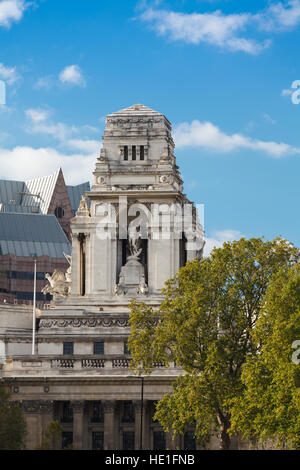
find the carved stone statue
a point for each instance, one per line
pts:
(83, 209)
(57, 284)
(132, 275)
(134, 241)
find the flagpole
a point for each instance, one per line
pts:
(34, 310)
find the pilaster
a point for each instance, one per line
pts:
(78, 424)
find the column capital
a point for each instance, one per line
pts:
(46, 406)
(109, 406)
(78, 406)
(31, 406)
(137, 405)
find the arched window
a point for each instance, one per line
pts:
(59, 212)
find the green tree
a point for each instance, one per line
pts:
(51, 436)
(270, 406)
(204, 324)
(12, 423)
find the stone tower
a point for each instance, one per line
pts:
(140, 227)
(131, 233)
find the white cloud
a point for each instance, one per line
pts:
(72, 75)
(213, 28)
(218, 238)
(11, 11)
(86, 146)
(63, 133)
(26, 162)
(37, 115)
(44, 83)
(207, 135)
(8, 74)
(226, 31)
(279, 15)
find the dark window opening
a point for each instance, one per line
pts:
(126, 350)
(128, 440)
(126, 152)
(59, 212)
(159, 441)
(189, 441)
(81, 238)
(97, 441)
(182, 250)
(67, 413)
(98, 413)
(68, 349)
(67, 440)
(144, 257)
(124, 252)
(99, 347)
(142, 152)
(134, 152)
(128, 415)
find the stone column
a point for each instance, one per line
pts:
(32, 415)
(47, 410)
(78, 424)
(141, 425)
(109, 425)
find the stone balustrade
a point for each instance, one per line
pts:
(79, 365)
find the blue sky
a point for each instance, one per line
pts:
(220, 71)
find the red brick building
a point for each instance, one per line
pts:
(35, 220)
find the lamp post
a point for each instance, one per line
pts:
(34, 310)
(142, 412)
(142, 405)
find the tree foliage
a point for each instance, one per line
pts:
(12, 423)
(51, 436)
(270, 406)
(204, 325)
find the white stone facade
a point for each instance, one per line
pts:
(128, 238)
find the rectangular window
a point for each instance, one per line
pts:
(159, 442)
(128, 415)
(189, 441)
(97, 441)
(125, 152)
(68, 349)
(99, 347)
(128, 440)
(98, 412)
(126, 350)
(67, 413)
(134, 152)
(67, 440)
(142, 152)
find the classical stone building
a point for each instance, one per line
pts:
(136, 231)
(35, 217)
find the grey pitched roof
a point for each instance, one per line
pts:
(10, 191)
(40, 191)
(34, 196)
(32, 234)
(75, 194)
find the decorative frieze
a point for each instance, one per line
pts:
(86, 322)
